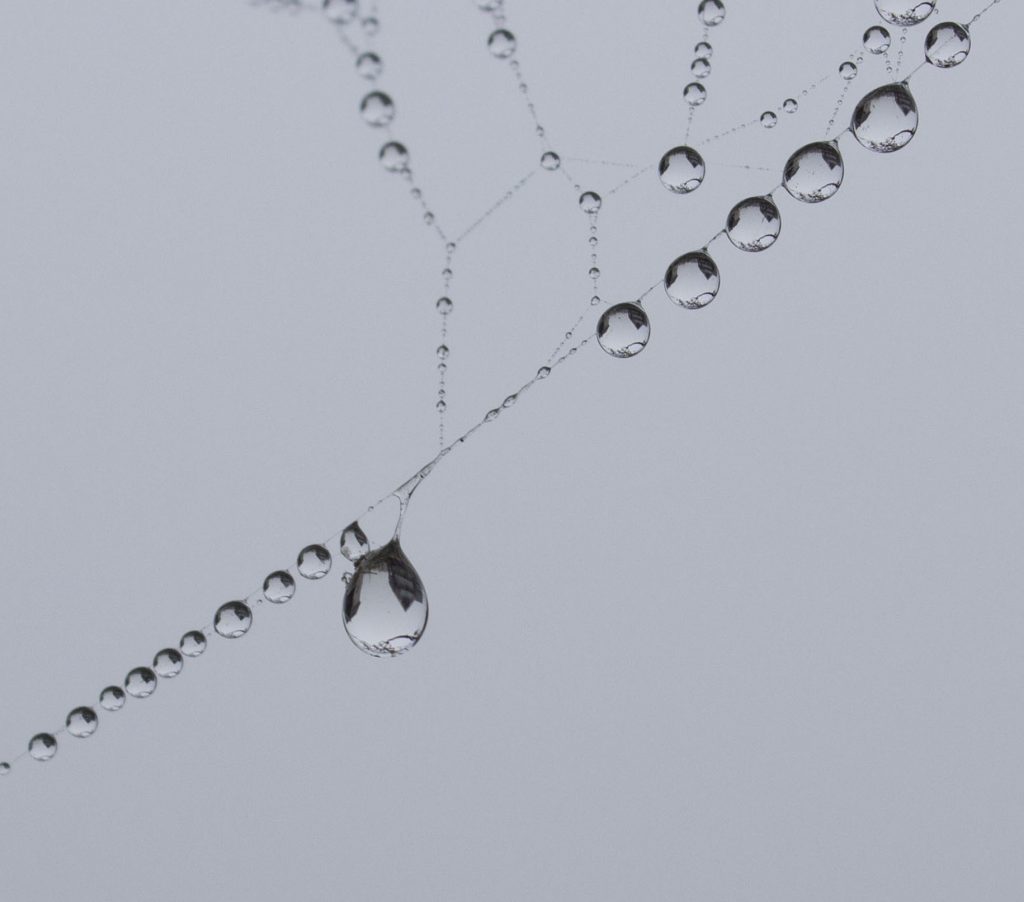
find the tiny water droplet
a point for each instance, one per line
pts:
(692, 280)
(695, 93)
(314, 562)
(511, 399)
(369, 65)
(623, 330)
(354, 542)
(886, 119)
(769, 119)
(711, 12)
(789, 105)
(385, 606)
(703, 49)
(42, 746)
(754, 224)
(377, 109)
(192, 644)
(701, 67)
(904, 12)
(442, 352)
(848, 71)
(441, 405)
(681, 170)
(341, 12)
(112, 698)
(279, 587)
(140, 682)
(82, 722)
(168, 663)
(877, 39)
(544, 372)
(814, 173)
(232, 620)
(594, 272)
(501, 43)
(491, 415)
(947, 45)
(394, 157)
(590, 201)
(444, 305)
(5, 768)
(370, 26)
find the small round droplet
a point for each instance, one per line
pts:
(192, 644)
(885, 119)
(848, 71)
(341, 12)
(544, 372)
(354, 542)
(5, 768)
(814, 172)
(947, 45)
(442, 352)
(140, 682)
(877, 39)
(444, 306)
(371, 26)
(711, 12)
(594, 272)
(168, 663)
(590, 201)
(701, 67)
(491, 415)
(442, 405)
(232, 619)
(703, 49)
(369, 65)
(394, 157)
(550, 160)
(754, 224)
(681, 170)
(695, 93)
(279, 587)
(904, 12)
(769, 119)
(623, 330)
(789, 105)
(501, 43)
(42, 746)
(314, 562)
(692, 280)
(82, 722)
(112, 698)
(377, 109)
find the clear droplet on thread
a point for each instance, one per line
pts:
(5, 768)
(692, 280)
(754, 224)
(623, 330)
(947, 45)
(341, 12)
(814, 172)
(590, 201)
(369, 65)
(681, 170)
(847, 71)
(354, 543)
(140, 682)
(233, 619)
(877, 39)
(701, 67)
(904, 12)
(501, 43)
(789, 105)
(769, 119)
(112, 698)
(42, 746)
(313, 562)
(394, 157)
(82, 722)
(550, 160)
(377, 109)
(695, 93)
(192, 644)
(385, 606)
(279, 587)
(711, 12)
(168, 663)
(885, 119)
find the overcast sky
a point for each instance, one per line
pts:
(738, 619)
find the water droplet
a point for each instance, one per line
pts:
(232, 619)
(428, 218)
(140, 682)
(385, 605)
(82, 722)
(42, 746)
(550, 160)
(885, 119)
(544, 372)
(814, 172)
(441, 405)
(394, 157)
(904, 12)
(790, 105)
(168, 663)
(769, 119)
(703, 49)
(354, 543)
(623, 330)
(192, 644)
(446, 273)
(279, 587)
(590, 201)
(754, 224)
(947, 45)
(595, 300)
(443, 352)
(444, 306)
(701, 67)
(450, 248)
(491, 415)
(511, 399)
(314, 562)
(377, 108)
(877, 39)
(711, 12)
(370, 26)
(341, 12)
(488, 6)
(695, 93)
(681, 170)
(5, 768)
(848, 71)
(501, 43)
(112, 698)
(692, 280)
(594, 272)
(369, 65)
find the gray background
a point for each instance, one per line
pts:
(739, 619)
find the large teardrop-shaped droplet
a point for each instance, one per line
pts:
(885, 119)
(385, 604)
